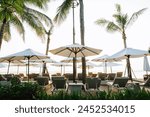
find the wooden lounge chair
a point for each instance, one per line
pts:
(119, 74)
(111, 76)
(146, 83)
(102, 76)
(119, 82)
(59, 83)
(93, 83)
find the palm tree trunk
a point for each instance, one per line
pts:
(47, 48)
(128, 57)
(82, 38)
(2, 31)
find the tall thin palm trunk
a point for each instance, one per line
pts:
(128, 65)
(2, 31)
(47, 48)
(82, 39)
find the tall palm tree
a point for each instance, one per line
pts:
(48, 33)
(14, 12)
(122, 22)
(62, 12)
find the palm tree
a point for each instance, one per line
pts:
(48, 33)
(14, 12)
(62, 12)
(122, 22)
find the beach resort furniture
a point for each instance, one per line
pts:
(146, 76)
(119, 74)
(119, 82)
(59, 83)
(146, 83)
(75, 87)
(69, 76)
(92, 83)
(42, 80)
(102, 76)
(2, 78)
(111, 76)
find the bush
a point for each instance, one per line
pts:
(25, 91)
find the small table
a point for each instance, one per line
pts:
(75, 87)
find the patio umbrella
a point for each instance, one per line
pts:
(10, 61)
(146, 66)
(75, 50)
(89, 65)
(61, 64)
(27, 54)
(70, 60)
(128, 53)
(105, 58)
(109, 64)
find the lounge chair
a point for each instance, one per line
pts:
(146, 83)
(119, 74)
(59, 83)
(93, 83)
(119, 82)
(102, 76)
(111, 76)
(42, 80)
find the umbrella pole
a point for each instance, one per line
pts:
(129, 68)
(8, 67)
(61, 69)
(28, 69)
(74, 68)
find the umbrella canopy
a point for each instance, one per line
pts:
(109, 64)
(70, 60)
(61, 64)
(146, 66)
(75, 50)
(105, 58)
(129, 53)
(89, 65)
(27, 54)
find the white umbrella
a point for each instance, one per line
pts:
(89, 65)
(70, 60)
(105, 58)
(146, 65)
(27, 54)
(109, 64)
(61, 64)
(75, 50)
(129, 53)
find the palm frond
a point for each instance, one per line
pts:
(7, 34)
(102, 22)
(135, 16)
(18, 25)
(118, 8)
(62, 11)
(112, 27)
(38, 3)
(34, 23)
(121, 19)
(41, 16)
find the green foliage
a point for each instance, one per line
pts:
(28, 91)
(25, 91)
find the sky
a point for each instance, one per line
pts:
(138, 35)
